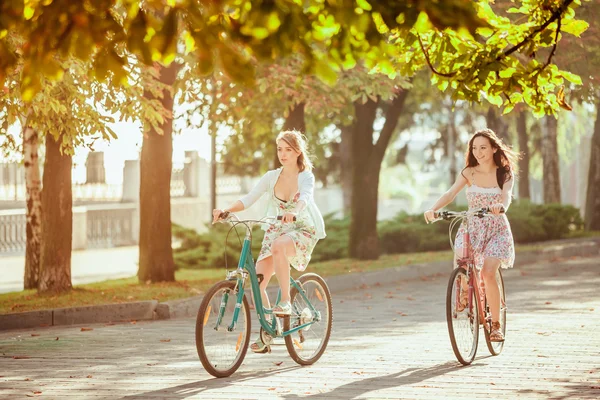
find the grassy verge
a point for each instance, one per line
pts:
(191, 282)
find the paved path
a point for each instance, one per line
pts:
(94, 265)
(389, 341)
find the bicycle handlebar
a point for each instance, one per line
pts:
(447, 215)
(226, 215)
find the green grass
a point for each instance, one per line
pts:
(191, 282)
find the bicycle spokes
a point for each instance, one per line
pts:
(222, 330)
(462, 317)
(310, 321)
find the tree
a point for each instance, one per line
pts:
(73, 112)
(581, 54)
(156, 255)
(550, 160)
(592, 208)
(524, 150)
(34, 206)
(57, 219)
(330, 36)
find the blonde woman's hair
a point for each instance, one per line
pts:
(297, 141)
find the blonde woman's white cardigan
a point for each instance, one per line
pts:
(306, 188)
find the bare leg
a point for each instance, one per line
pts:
(265, 267)
(283, 247)
(492, 292)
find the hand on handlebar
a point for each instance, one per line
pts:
(497, 208)
(219, 214)
(429, 216)
(288, 217)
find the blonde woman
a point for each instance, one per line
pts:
(290, 191)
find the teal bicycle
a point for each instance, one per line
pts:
(223, 321)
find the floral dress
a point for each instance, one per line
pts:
(302, 232)
(490, 236)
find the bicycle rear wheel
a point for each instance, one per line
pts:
(307, 345)
(463, 325)
(222, 348)
(495, 348)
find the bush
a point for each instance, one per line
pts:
(208, 250)
(405, 233)
(335, 245)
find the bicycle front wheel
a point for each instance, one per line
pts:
(463, 319)
(307, 345)
(495, 348)
(221, 345)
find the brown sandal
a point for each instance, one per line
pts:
(496, 334)
(463, 301)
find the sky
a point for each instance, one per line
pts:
(128, 145)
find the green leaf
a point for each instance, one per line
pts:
(507, 73)
(364, 4)
(573, 78)
(325, 72)
(575, 27)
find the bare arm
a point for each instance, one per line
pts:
(450, 195)
(507, 194)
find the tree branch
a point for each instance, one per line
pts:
(391, 121)
(555, 15)
(447, 75)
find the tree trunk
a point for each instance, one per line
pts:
(452, 136)
(366, 162)
(295, 120)
(497, 124)
(524, 161)
(57, 219)
(156, 254)
(346, 167)
(550, 161)
(592, 204)
(33, 187)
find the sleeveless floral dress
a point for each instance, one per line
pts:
(490, 236)
(302, 232)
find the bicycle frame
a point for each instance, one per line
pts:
(246, 267)
(475, 280)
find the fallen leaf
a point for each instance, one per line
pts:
(35, 334)
(278, 363)
(591, 309)
(492, 383)
(72, 376)
(37, 392)
(134, 322)
(272, 388)
(86, 329)
(20, 357)
(165, 340)
(548, 302)
(150, 365)
(377, 284)
(410, 298)
(27, 379)
(89, 376)
(56, 338)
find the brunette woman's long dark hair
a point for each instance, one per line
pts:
(505, 158)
